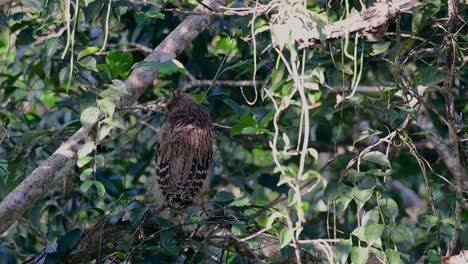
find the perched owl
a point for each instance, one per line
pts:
(184, 152)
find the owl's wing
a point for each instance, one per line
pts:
(184, 155)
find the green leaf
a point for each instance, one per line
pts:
(400, 233)
(366, 134)
(428, 221)
(89, 116)
(104, 131)
(235, 106)
(275, 215)
(379, 47)
(154, 14)
(359, 233)
(411, 111)
(224, 197)
(85, 174)
(119, 63)
(331, 191)
(371, 216)
(266, 119)
(115, 91)
(87, 51)
(240, 202)
(314, 153)
(166, 237)
(345, 196)
(373, 232)
(201, 98)
(433, 257)
(342, 249)
(244, 122)
(83, 161)
(167, 67)
(137, 215)
(389, 208)
(99, 159)
(107, 105)
(88, 63)
(86, 185)
(379, 172)
(361, 196)
(393, 257)
(249, 131)
(85, 149)
(359, 255)
(286, 236)
(377, 157)
(101, 190)
(310, 174)
(68, 241)
(51, 46)
(429, 76)
(238, 228)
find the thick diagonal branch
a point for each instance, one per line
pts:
(37, 183)
(367, 21)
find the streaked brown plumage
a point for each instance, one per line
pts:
(184, 152)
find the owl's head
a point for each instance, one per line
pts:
(183, 109)
(180, 100)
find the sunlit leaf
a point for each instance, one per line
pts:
(343, 248)
(107, 105)
(85, 174)
(365, 134)
(83, 161)
(101, 190)
(373, 232)
(393, 257)
(379, 47)
(86, 185)
(89, 116)
(85, 149)
(119, 63)
(377, 157)
(87, 51)
(286, 236)
(433, 257)
(359, 255)
(244, 122)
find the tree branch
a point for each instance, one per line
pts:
(367, 21)
(454, 162)
(102, 239)
(37, 183)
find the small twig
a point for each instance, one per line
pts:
(42, 39)
(196, 83)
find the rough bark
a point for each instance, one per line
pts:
(367, 21)
(37, 183)
(454, 160)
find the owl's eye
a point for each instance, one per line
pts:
(170, 107)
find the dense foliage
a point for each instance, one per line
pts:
(367, 178)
